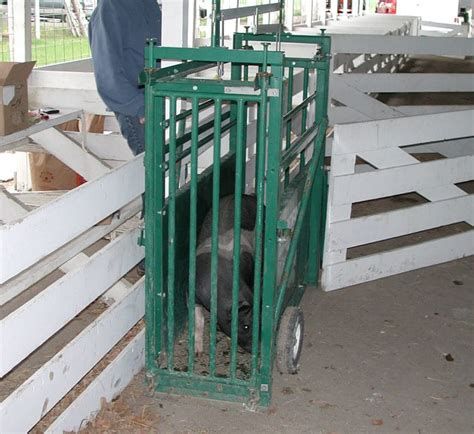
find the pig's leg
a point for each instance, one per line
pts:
(198, 330)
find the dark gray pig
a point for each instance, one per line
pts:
(224, 271)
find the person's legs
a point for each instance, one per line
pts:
(134, 132)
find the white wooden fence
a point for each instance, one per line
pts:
(366, 65)
(33, 243)
(386, 146)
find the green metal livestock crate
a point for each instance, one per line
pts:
(260, 130)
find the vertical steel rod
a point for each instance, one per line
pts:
(215, 234)
(240, 155)
(193, 232)
(171, 231)
(288, 125)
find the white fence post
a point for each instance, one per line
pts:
(22, 30)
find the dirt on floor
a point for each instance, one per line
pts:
(394, 355)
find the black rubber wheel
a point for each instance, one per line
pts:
(290, 340)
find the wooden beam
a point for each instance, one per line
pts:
(397, 261)
(31, 401)
(409, 82)
(71, 153)
(370, 229)
(349, 96)
(404, 131)
(105, 146)
(448, 46)
(108, 384)
(398, 180)
(25, 329)
(21, 38)
(47, 228)
(10, 207)
(24, 280)
(54, 120)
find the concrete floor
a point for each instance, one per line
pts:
(396, 355)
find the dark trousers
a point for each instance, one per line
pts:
(133, 131)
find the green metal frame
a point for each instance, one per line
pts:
(172, 223)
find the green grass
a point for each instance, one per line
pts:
(55, 46)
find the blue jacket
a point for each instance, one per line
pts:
(118, 30)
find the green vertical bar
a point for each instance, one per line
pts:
(181, 129)
(240, 158)
(193, 232)
(289, 104)
(171, 230)
(260, 191)
(215, 233)
(152, 156)
(216, 28)
(271, 248)
(156, 215)
(246, 72)
(304, 113)
(235, 74)
(317, 205)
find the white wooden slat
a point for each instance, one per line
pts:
(62, 79)
(402, 45)
(448, 148)
(397, 261)
(105, 146)
(10, 207)
(24, 280)
(443, 192)
(360, 102)
(386, 158)
(47, 228)
(410, 130)
(344, 115)
(71, 153)
(396, 157)
(31, 401)
(108, 384)
(370, 229)
(409, 82)
(89, 100)
(343, 164)
(398, 180)
(25, 329)
(116, 292)
(7, 141)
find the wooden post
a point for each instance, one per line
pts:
(309, 13)
(289, 13)
(21, 30)
(37, 20)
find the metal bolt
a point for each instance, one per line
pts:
(323, 31)
(195, 87)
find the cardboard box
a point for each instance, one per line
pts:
(14, 96)
(49, 173)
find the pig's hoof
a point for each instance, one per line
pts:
(290, 340)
